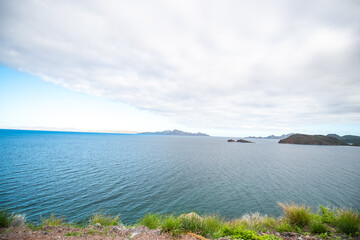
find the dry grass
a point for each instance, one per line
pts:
(297, 215)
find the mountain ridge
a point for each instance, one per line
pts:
(273, 136)
(176, 132)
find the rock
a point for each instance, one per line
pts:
(98, 226)
(243, 141)
(156, 231)
(231, 140)
(139, 230)
(117, 228)
(289, 234)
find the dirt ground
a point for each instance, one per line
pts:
(111, 233)
(68, 233)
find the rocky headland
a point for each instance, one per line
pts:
(312, 140)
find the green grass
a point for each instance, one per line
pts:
(52, 221)
(151, 220)
(192, 224)
(318, 228)
(327, 214)
(284, 227)
(75, 234)
(245, 234)
(256, 222)
(104, 220)
(348, 222)
(5, 218)
(33, 226)
(171, 224)
(297, 216)
(207, 226)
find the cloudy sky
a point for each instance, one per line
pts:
(228, 68)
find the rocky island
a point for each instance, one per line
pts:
(312, 140)
(240, 141)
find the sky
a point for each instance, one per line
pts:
(226, 68)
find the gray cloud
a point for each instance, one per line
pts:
(232, 64)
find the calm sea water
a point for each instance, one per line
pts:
(76, 174)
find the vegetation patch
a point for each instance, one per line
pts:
(324, 223)
(151, 220)
(52, 221)
(318, 228)
(104, 220)
(298, 216)
(348, 222)
(75, 234)
(5, 218)
(171, 224)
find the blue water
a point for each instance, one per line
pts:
(76, 174)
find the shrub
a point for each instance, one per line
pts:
(5, 218)
(298, 216)
(151, 220)
(318, 228)
(327, 215)
(19, 220)
(104, 220)
(347, 221)
(52, 221)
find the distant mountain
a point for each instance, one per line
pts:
(176, 133)
(350, 139)
(312, 140)
(274, 137)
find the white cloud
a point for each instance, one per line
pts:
(208, 64)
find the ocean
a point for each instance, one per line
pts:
(76, 174)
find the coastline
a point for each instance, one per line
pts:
(298, 222)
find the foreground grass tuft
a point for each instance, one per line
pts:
(319, 228)
(5, 218)
(208, 226)
(298, 216)
(151, 220)
(104, 220)
(52, 221)
(171, 224)
(348, 222)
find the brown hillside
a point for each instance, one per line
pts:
(312, 140)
